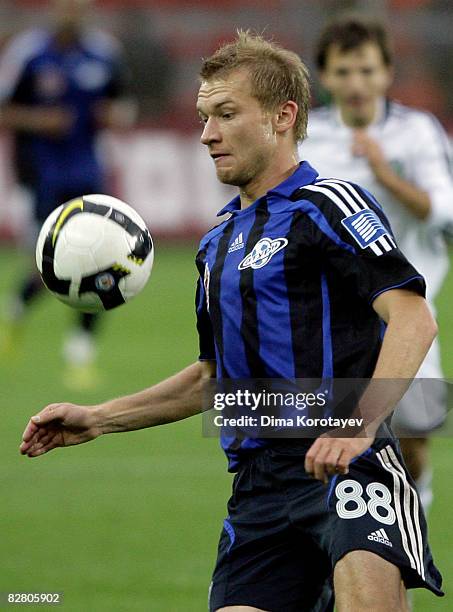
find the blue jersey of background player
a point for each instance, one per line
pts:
(58, 87)
(55, 87)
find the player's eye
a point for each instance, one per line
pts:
(367, 71)
(227, 116)
(341, 72)
(202, 120)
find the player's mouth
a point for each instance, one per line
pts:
(357, 101)
(217, 157)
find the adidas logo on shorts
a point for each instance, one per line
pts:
(380, 536)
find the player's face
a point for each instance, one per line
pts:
(356, 79)
(70, 14)
(237, 130)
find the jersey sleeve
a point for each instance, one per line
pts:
(15, 78)
(352, 235)
(432, 168)
(204, 325)
(106, 47)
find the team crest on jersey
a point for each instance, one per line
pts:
(365, 227)
(262, 253)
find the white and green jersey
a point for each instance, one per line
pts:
(418, 150)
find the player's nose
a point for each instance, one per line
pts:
(211, 132)
(355, 83)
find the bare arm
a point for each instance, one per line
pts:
(118, 114)
(52, 122)
(173, 399)
(57, 121)
(410, 332)
(409, 335)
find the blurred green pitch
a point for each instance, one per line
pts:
(131, 522)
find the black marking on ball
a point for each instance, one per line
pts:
(52, 282)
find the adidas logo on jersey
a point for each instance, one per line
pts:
(237, 244)
(380, 536)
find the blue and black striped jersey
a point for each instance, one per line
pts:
(286, 285)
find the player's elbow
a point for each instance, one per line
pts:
(199, 377)
(426, 325)
(410, 315)
(433, 327)
(207, 370)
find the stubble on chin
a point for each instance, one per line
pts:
(228, 177)
(242, 178)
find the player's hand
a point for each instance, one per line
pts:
(329, 455)
(58, 425)
(363, 145)
(115, 114)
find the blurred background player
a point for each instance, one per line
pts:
(59, 87)
(401, 156)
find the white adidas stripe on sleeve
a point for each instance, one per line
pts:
(351, 203)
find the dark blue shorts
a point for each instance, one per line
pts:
(286, 531)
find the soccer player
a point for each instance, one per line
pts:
(401, 156)
(58, 87)
(288, 289)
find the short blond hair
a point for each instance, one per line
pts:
(277, 74)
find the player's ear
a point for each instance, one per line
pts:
(324, 80)
(285, 117)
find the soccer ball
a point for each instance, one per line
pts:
(94, 253)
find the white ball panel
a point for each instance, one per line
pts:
(71, 262)
(113, 248)
(84, 231)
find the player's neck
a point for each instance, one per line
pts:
(66, 37)
(273, 175)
